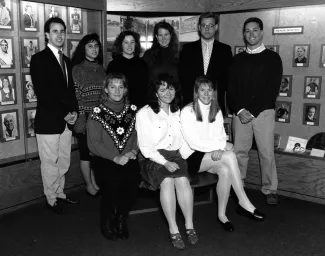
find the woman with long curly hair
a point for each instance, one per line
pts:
(162, 57)
(126, 60)
(88, 75)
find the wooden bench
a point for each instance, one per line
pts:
(203, 179)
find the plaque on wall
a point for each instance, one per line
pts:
(283, 111)
(322, 56)
(52, 11)
(301, 55)
(239, 49)
(7, 89)
(9, 125)
(274, 48)
(30, 122)
(7, 59)
(312, 87)
(29, 16)
(28, 88)
(286, 86)
(29, 46)
(311, 114)
(6, 18)
(74, 20)
(72, 46)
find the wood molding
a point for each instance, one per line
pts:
(93, 5)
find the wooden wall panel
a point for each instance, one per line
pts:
(93, 5)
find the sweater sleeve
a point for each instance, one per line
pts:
(77, 78)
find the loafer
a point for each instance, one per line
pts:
(256, 215)
(69, 200)
(56, 208)
(228, 226)
(271, 199)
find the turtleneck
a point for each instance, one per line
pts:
(205, 110)
(116, 106)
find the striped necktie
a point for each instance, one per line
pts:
(62, 64)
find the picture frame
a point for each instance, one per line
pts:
(274, 48)
(7, 56)
(286, 86)
(311, 113)
(52, 10)
(30, 122)
(301, 54)
(9, 125)
(75, 20)
(6, 17)
(282, 111)
(28, 88)
(322, 56)
(239, 49)
(8, 91)
(29, 46)
(312, 87)
(72, 45)
(29, 16)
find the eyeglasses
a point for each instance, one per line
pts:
(210, 26)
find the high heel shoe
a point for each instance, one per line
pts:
(256, 215)
(228, 226)
(177, 241)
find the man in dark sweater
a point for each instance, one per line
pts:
(254, 83)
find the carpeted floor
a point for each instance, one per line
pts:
(293, 228)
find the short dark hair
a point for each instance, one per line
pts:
(155, 84)
(48, 23)
(117, 47)
(207, 15)
(253, 19)
(109, 78)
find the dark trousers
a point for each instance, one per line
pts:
(118, 185)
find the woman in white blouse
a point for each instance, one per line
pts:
(202, 127)
(163, 151)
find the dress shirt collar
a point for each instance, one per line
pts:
(54, 50)
(204, 42)
(257, 50)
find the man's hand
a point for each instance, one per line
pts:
(245, 116)
(73, 118)
(131, 154)
(121, 160)
(216, 155)
(68, 117)
(171, 166)
(229, 147)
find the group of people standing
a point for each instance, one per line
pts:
(158, 119)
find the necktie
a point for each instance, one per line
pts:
(206, 57)
(62, 64)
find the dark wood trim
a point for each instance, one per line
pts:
(99, 5)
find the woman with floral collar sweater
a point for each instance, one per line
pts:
(112, 140)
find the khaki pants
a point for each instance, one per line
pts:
(54, 152)
(262, 128)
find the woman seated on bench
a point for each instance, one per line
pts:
(163, 149)
(202, 127)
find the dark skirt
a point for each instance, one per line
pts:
(194, 162)
(153, 173)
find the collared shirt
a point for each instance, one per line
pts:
(205, 45)
(57, 56)
(257, 50)
(159, 131)
(203, 136)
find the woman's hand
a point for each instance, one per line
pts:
(121, 160)
(229, 147)
(171, 166)
(131, 154)
(216, 155)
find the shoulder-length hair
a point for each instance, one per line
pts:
(214, 106)
(80, 54)
(117, 47)
(9, 84)
(173, 45)
(108, 79)
(155, 84)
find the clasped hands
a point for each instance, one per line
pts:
(71, 118)
(124, 159)
(245, 116)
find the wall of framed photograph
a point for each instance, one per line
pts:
(303, 58)
(22, 36)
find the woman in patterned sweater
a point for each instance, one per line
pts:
(88, 75)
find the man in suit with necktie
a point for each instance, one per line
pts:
(206, 56)
(56, 110)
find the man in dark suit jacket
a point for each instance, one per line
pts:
(207, 57)
(56, 110)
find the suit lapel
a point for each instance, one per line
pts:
(55, 64)
(199, 56)
(213, 57)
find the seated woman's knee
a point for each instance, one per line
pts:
(167, 183)
(182, 181)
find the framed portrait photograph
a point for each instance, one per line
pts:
(7, 59)
(301, 55)
(282, 111)
(28, 88)
(30, 122)
(8, 89)
(9, 125)
(274, 48)
(239, 49)
(312, 87)
(29, 46)
(6, 18)
(322, 56)
(74, 20)
(311, 114)
(286, 86)
(52, 11)
(72, 46)
(29, 16)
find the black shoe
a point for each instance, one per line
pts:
(122, 228)
(69, 200)
(108, 230)
(256, 215)
(56, 208)
(228, 226)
